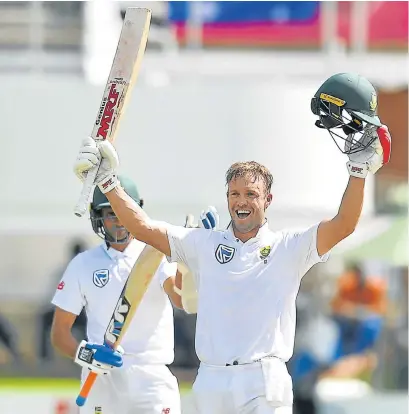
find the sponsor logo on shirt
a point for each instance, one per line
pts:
(101, 277)
(61, 286)
(224, 253)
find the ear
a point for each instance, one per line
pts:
(268, 202)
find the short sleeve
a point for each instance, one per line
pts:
(184, 245)
(165, 271)
(68, 295)
(303, 245)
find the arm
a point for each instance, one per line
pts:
(331, 232)
(352, 366)
(168, 287)
(137, 222)
(370, 159)
(61, 337)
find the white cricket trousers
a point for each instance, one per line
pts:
(136, 389)
(242, 389)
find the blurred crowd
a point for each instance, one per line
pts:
(350, 335)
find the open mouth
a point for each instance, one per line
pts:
(242, 214)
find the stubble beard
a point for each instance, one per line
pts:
(245, 228)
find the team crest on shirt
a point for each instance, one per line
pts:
(101, 277)
(264, 252)
(224, 253)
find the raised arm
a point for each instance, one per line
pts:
(331, 232)
(136, 221)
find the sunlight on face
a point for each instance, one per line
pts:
(247, 200)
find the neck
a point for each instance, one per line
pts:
(120, 247)
(243, 237)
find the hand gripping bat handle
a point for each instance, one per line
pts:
(86, 388)
(88, 186)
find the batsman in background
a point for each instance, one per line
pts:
(248, 276)
(94, 280)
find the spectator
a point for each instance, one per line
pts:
(358, 309)
(341, 345)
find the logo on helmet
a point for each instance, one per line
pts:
(374, 102)
(332, 99)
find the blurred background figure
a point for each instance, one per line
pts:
(359, 307)
(235, 77)
(8, 339)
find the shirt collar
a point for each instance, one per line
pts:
(229, 235)
(130, 252)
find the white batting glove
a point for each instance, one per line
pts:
(98, 358)
(101, 155)
(372, 158)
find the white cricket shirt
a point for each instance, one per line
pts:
(95, 278)
(246, 291)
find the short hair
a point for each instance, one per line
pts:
(250, 169)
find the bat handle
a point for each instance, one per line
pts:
(82, 204)
(86, 388)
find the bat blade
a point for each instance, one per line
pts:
(137, 284)
(124, 71)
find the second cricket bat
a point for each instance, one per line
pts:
(137, 284)
(123, 74)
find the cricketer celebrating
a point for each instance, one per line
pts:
(248, 276)
(94, 280)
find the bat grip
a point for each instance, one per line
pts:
(82, 204)
(86, 388)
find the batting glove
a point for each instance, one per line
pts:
(98, 358)
(209, 219)
(101, 155)
(372, 158)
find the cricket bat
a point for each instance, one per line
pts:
(123, 74)
(138, 282)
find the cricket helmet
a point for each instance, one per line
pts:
(346, 105)
(100, 201)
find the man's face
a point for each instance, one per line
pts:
(247, 200)
(112, 225)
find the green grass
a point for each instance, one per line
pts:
(39, 383)
(56, 384)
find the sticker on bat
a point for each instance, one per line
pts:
(109, 106)
(117, 321)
